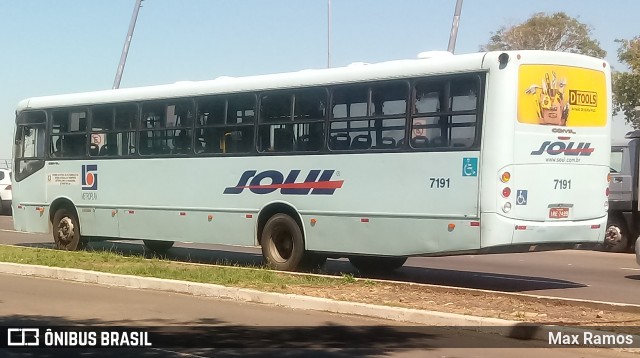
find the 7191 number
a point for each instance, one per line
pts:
(561, 184)
(439, 183)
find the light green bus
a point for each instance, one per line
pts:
(461, 154)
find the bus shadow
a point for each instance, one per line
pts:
(339, 267)
(482, 280)
(252, 257)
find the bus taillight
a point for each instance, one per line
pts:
(505, 177)
(609, 178)
(506, 192)
(606, 191)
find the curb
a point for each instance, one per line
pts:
(507, 328)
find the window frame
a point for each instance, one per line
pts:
(376, 125)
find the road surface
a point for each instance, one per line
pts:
(260, 329)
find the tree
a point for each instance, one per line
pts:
(556, 32)
(626, 85)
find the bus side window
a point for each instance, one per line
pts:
(309, 113)
(29, 148)
(445, 112)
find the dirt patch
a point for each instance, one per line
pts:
(480, 303)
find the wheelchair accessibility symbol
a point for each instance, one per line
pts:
(469, 167)
(521, 197)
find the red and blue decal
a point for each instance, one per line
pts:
(317, 182)
(90, 177)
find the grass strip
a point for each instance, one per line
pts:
(138, 265)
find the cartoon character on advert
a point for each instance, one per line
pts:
(551, 103)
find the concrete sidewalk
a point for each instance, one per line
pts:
(514, 329)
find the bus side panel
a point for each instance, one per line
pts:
(167, 225)
(389, 236)
(107, 222)
(226, 228)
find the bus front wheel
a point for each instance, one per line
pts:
(282, 243)
(66, 231)
(373, 264)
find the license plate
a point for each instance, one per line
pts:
(558, 213)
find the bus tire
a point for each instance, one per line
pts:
(282, 243)
(158, 246)
(66, 231)
(616, 237)
(377, 264)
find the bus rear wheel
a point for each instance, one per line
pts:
(282, 243)
(616, 237)
(66, 231)
(157, 246)
(377, 264)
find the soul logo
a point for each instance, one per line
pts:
(317, 182)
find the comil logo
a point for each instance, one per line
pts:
(90, 177)
(316, 182)
(563, 130)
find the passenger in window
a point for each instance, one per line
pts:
(73, 146)
(182, 143)
(57, 149)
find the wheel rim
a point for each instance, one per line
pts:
(281, 244)
(66, 231)
(613, 236)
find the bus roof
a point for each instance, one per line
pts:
(429, 65)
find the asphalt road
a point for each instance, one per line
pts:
(244, 329)
(581, 274)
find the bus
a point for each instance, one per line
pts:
(478, 153)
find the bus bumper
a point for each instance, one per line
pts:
(507, 231)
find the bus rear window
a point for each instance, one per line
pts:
(562, 96)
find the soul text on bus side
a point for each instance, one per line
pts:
(317, 182)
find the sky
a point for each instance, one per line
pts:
(67, 46)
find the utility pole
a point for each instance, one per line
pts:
(454, 27)
(127, 43)
(328, 33)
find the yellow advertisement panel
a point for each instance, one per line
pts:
(562, 96)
